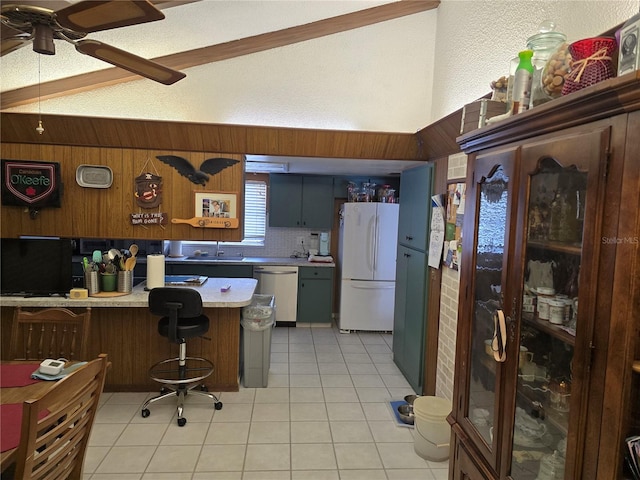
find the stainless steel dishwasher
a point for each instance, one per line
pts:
(282, 282)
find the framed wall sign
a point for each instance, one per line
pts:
(31, 184)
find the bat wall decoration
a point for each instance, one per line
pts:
(200, 176)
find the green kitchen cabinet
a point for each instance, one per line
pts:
(213, 271)
(300, 201)
(409, 315)
(315, 294)
(415, 203)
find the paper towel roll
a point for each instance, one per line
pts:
(155, 271)
(175, 248)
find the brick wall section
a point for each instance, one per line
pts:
(449, 304)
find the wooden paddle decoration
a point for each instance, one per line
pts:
(208, 222)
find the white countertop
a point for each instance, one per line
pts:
(239, 295)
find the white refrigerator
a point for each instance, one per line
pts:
(367, 262)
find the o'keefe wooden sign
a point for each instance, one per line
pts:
(31, 184)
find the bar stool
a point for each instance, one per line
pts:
(182, 318)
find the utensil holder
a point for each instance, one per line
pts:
(125, 281)
(109, 282)
(91, 282)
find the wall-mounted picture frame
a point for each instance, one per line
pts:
(216, 204)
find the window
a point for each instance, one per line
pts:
(255, 211)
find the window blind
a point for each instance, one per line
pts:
(255, 209)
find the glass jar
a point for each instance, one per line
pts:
(544, 44)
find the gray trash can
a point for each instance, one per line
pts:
(258, 320)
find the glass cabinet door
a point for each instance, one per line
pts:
(492, 195)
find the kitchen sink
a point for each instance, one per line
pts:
(211, 258)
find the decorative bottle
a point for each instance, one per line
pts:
(522, 82)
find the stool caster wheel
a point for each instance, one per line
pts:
(218, 405)
(164, 390)
(145, 413)
(204, 388)
(182, 422)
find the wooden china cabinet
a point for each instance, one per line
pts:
(552, 201)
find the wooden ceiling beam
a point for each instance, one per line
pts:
(215, 53)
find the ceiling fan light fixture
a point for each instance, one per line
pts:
(43, 39)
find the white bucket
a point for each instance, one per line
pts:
(432, 432)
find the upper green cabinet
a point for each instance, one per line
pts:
(415, 203)
(300, 201)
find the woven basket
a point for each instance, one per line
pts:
(592, 63)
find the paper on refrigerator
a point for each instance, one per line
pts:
(436, 239)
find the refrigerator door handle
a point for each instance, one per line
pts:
(364, 286)
(371, 244)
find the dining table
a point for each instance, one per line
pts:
(16, 386)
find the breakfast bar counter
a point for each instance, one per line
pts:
(123, 327)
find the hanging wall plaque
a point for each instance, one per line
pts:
(31, 184)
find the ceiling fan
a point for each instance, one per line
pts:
(22, 24)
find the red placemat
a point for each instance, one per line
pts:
(17, 375)
(11, 420)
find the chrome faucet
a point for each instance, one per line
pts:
(219, 252)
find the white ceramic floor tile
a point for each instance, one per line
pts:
(191, 434)
(310, 456)
(217, 476)
(269, 432)
(266, 475)
(334, 368)
(244, 395)
(400, 455)
(126, 460)
(301, 412)
(362, 475)
(303, 368)
(119, 476)
(309, 380)
(105, 434)
(315, 475)
(268, 457)
(221, 458)
(351, 432)
(310, 432)
(336, 380)
(272, 395)
(302, 357)
(227, 433)
(116, 413)
(373, 394)
(329, 357)
(377, 411)
(136, 434)
(279, 368)
(233, 412)
(350, 358)
(362, 369)
(270, 412)
(345, 412)
(357, 456)
(174, 459)
(127, 398)
(352, 348)
(305, 395)
(93, 458)
(367, 380)
(278, 381)
(411, 474)
(389, 432)
(165, 476)
(340, 394)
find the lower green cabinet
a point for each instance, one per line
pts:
(315, 294)
(409, 320)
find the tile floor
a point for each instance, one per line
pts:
(324, 416)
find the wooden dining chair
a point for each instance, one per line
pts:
(56, 426)
(49, 333)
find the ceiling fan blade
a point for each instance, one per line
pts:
(12, 45)
(129, 61)
(8, 32)
(93, 16)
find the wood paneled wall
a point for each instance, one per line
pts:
(105, 213)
